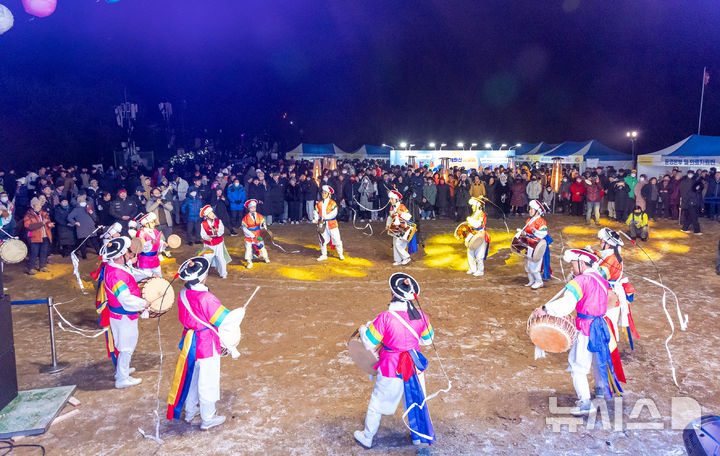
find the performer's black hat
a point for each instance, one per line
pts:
(194, 270)
(405, 288)
(115, 248)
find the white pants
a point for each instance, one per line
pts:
(581, 361)
(149, 272)
(218, 257)
(204, 388)
(476, 258)
(533, 268)
(249, 252)
(400, 252)
(125, 336)
(331, 235)
(385, 399)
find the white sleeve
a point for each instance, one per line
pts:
(221, 228)
(130, 302)
(203, 235)
(248, 233)
(332, 214)
(562, 306)
(316, 215)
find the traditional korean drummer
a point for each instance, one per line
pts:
(399, 216)
(587, 294)
(196, 385)
(123, 304)
(476, 256)
(402, 329)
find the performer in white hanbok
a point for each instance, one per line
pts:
(325, 216)
(399, 225)
(402, 329)
(211, 232)
(196, 384)
(123, 302)
(478, 240)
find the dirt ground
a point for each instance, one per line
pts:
(295, 390)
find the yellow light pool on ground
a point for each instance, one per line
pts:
(349, 272)
(54, 271)
(298, 273)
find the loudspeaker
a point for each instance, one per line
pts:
(8, 373)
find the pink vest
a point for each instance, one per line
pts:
(149, 260)
(207, 307)
(593, 301)
(396, 338)
(116, 281)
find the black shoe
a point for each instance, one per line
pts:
(190, 243)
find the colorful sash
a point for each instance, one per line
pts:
(101, 307)
(184, 370)
(410, 363)
(599, 343)
(546, 269)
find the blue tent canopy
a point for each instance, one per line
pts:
(565, 149)
(604, 153)
(698, 146)
(318, 149)
(383, 151)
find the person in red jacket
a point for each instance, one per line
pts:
(593, 196)
(39, 230)
(577, 190)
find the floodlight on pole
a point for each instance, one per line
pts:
(632, 136)
(432, 144)
(461, 145)
(473, 145)
(442, 145)
(488, 146)
(411, 146)
(403, 145)
(502, 145)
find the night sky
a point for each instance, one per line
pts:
(354, 72)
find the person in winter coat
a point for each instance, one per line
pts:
(65, 229)
(237, 197)
(691, 204)
(180, 188)
(639, 200)
(429, 192)
(123, 209)
(534, 188)
(610, 196)
(593, 195)
(503, 194)
(84, 218)
(162, 207)
(650, 195)
(675, 197)
(442, 200)
(220, 205)
(622, 200)
(191, 208)
(462, 198)
(491, 194)
(294, 198)
(274, 204)
(518, 195)
(577, 190)
(712, 196)
(39, 227)
(664, 191)
(310, 193)
(477, 188)
(548, 196)
(102, 208)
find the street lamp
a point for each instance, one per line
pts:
(461, 145)
(502, 145)
(403, 145)
(473, 145)
(488, 146)
(411, 146)
(388, 145)
(432, 144)
(632, 136)
(442, 145)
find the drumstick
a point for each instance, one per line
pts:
(559, 293)
(251, 296)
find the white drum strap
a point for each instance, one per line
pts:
(405, 324)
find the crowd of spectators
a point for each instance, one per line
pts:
(55, 208)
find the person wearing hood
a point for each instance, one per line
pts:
(637, 222)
